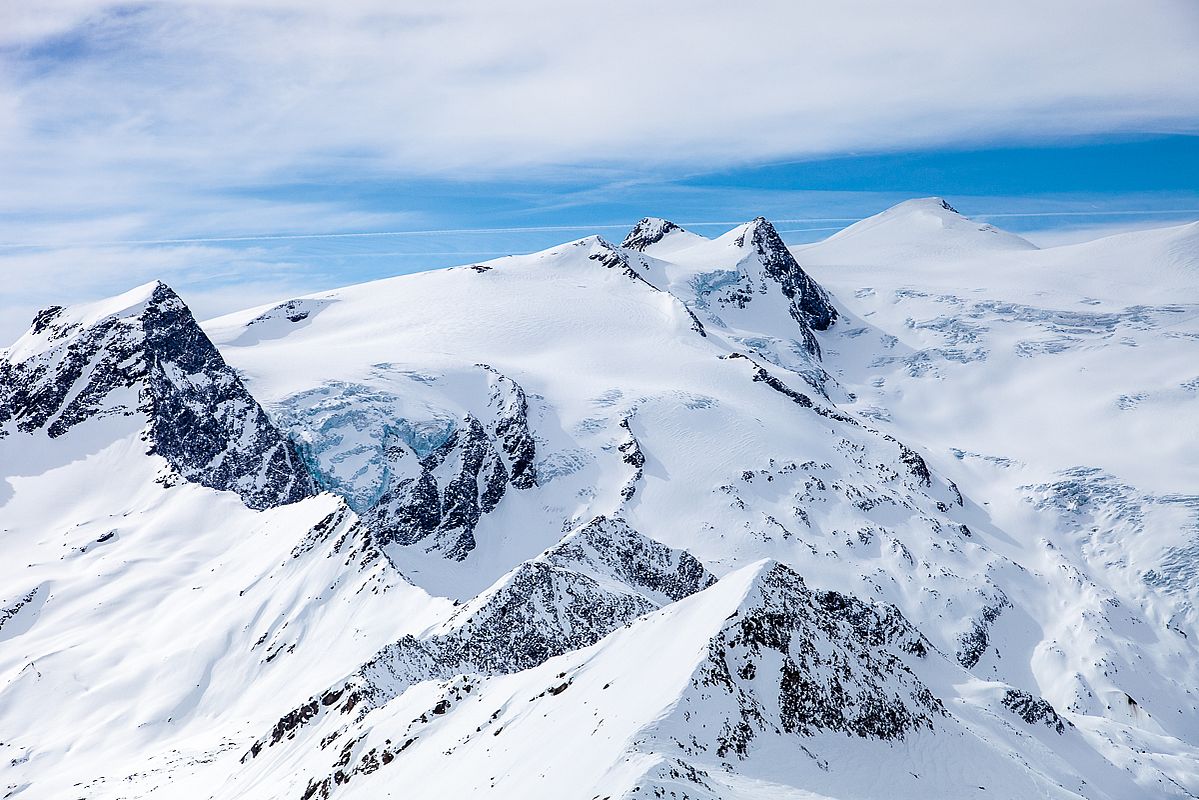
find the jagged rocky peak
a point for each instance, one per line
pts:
(810, 303)
(793, 660)
(143, 354)
(601, 576)
(610, 548)
(649, 231)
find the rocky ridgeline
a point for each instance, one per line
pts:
(151, 359)
(598, 578)
(788, 661)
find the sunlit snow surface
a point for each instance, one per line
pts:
(984, 474)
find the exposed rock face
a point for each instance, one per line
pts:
(598, 578)
(517, 446)
(611, 258)
(151, 358)
(649, 231)
(810, 304)
(294, 311)
(796, 661)
(1033, 710)
(631, 454)
(458, 483)
(462, 479)
(975, 641)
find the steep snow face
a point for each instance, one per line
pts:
(143, 355)
(611, 465)
(142, 623)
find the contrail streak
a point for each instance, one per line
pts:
(273, 237)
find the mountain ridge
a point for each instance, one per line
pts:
(623, 521)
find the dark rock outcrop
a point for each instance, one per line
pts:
(1033, 710)
(810, 304)
(599, 577)
(792, 660)
(462, 479)
(458, 483)
(150, 358)
(975, 641)
(649, 231)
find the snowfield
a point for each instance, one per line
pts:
(910, 512)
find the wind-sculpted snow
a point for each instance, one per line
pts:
(147, 357)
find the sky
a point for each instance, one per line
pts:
(245, 151)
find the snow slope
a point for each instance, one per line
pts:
(908, 511)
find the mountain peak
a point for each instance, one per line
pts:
(929, 225)
(761, 233)
(809, 302)
(142, 353)
(56, 322)
(649, 231)
(934, 204)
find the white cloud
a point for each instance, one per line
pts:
(223, 91)
(143, 121)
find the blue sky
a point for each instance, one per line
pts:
(1057, 190)
(194, 141)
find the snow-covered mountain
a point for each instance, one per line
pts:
(910, 512)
